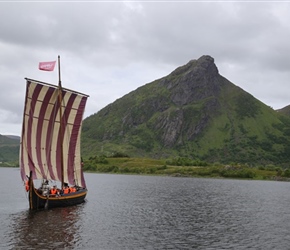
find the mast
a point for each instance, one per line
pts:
(60, 123)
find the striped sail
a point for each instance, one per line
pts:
(42, 140)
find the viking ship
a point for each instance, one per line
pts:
(50, 145)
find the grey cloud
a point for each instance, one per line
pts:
(110, 49)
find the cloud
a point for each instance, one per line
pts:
(108, 49)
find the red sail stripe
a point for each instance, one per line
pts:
(41, 119)
(50, 135)
(31, 118)
(77, 130)
(23, 143)
(70, 158)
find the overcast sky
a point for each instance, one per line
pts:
(109, 49)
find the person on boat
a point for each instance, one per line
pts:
(27, 185)
(53, 191)
(66, 189)
(72, 189)
(45, 188)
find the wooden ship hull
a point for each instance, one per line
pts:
(38, 201)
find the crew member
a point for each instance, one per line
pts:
(53, 191)
(72, 189)
(66, 189)
(27, 185)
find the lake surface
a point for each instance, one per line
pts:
(151, 212)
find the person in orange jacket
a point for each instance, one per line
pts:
(72, 189)
(27, 185)
(53, 191)
(66, 189)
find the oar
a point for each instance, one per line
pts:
(46, 203)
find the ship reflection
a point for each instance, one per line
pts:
(47, 229)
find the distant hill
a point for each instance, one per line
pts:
(193, 112)
(14, 137)
(9, 148)
(285, 110)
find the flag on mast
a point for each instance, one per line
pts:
(47, 66)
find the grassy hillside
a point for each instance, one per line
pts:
(183, 167)
(246, 131)
(9, 151)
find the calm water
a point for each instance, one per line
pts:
(142, 212)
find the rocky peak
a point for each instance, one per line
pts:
(196, 80)
(203, 65)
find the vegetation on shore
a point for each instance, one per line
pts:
(182, 167)
(119, 163)
(9, 164)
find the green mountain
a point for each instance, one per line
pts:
(9, 149)
(285, 110)
(193, 112)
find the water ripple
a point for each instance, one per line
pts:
(141, 212)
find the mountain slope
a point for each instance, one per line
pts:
(9, 149)
(285, 110)
(193, 112)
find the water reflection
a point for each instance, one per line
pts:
(46, 229)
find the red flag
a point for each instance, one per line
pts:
(47, 66)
